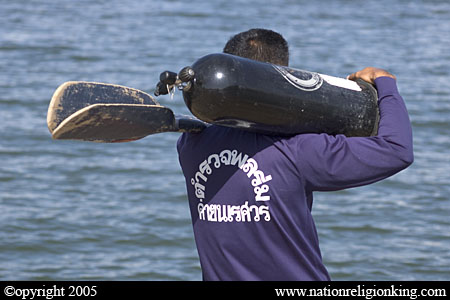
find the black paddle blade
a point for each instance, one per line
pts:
(73, 96)
(109, 123)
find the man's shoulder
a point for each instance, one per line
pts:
(207, 135)
(211, 131)
(222, 133)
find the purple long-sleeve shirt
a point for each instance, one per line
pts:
(250, 195)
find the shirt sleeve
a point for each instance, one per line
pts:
(337, 162)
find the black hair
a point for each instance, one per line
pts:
(259, 44)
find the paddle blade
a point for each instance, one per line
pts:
(109, 123)
(73, 96)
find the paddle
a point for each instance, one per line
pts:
(106, 113)
(107, 123)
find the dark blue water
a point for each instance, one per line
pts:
(74, 210)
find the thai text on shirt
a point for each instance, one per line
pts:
(231, 213)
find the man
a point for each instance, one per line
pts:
(251, 195)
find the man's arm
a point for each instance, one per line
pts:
(338, 162)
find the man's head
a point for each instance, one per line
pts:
(259, 44)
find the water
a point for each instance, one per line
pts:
(73, 210)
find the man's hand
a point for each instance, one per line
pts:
(369, 74)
